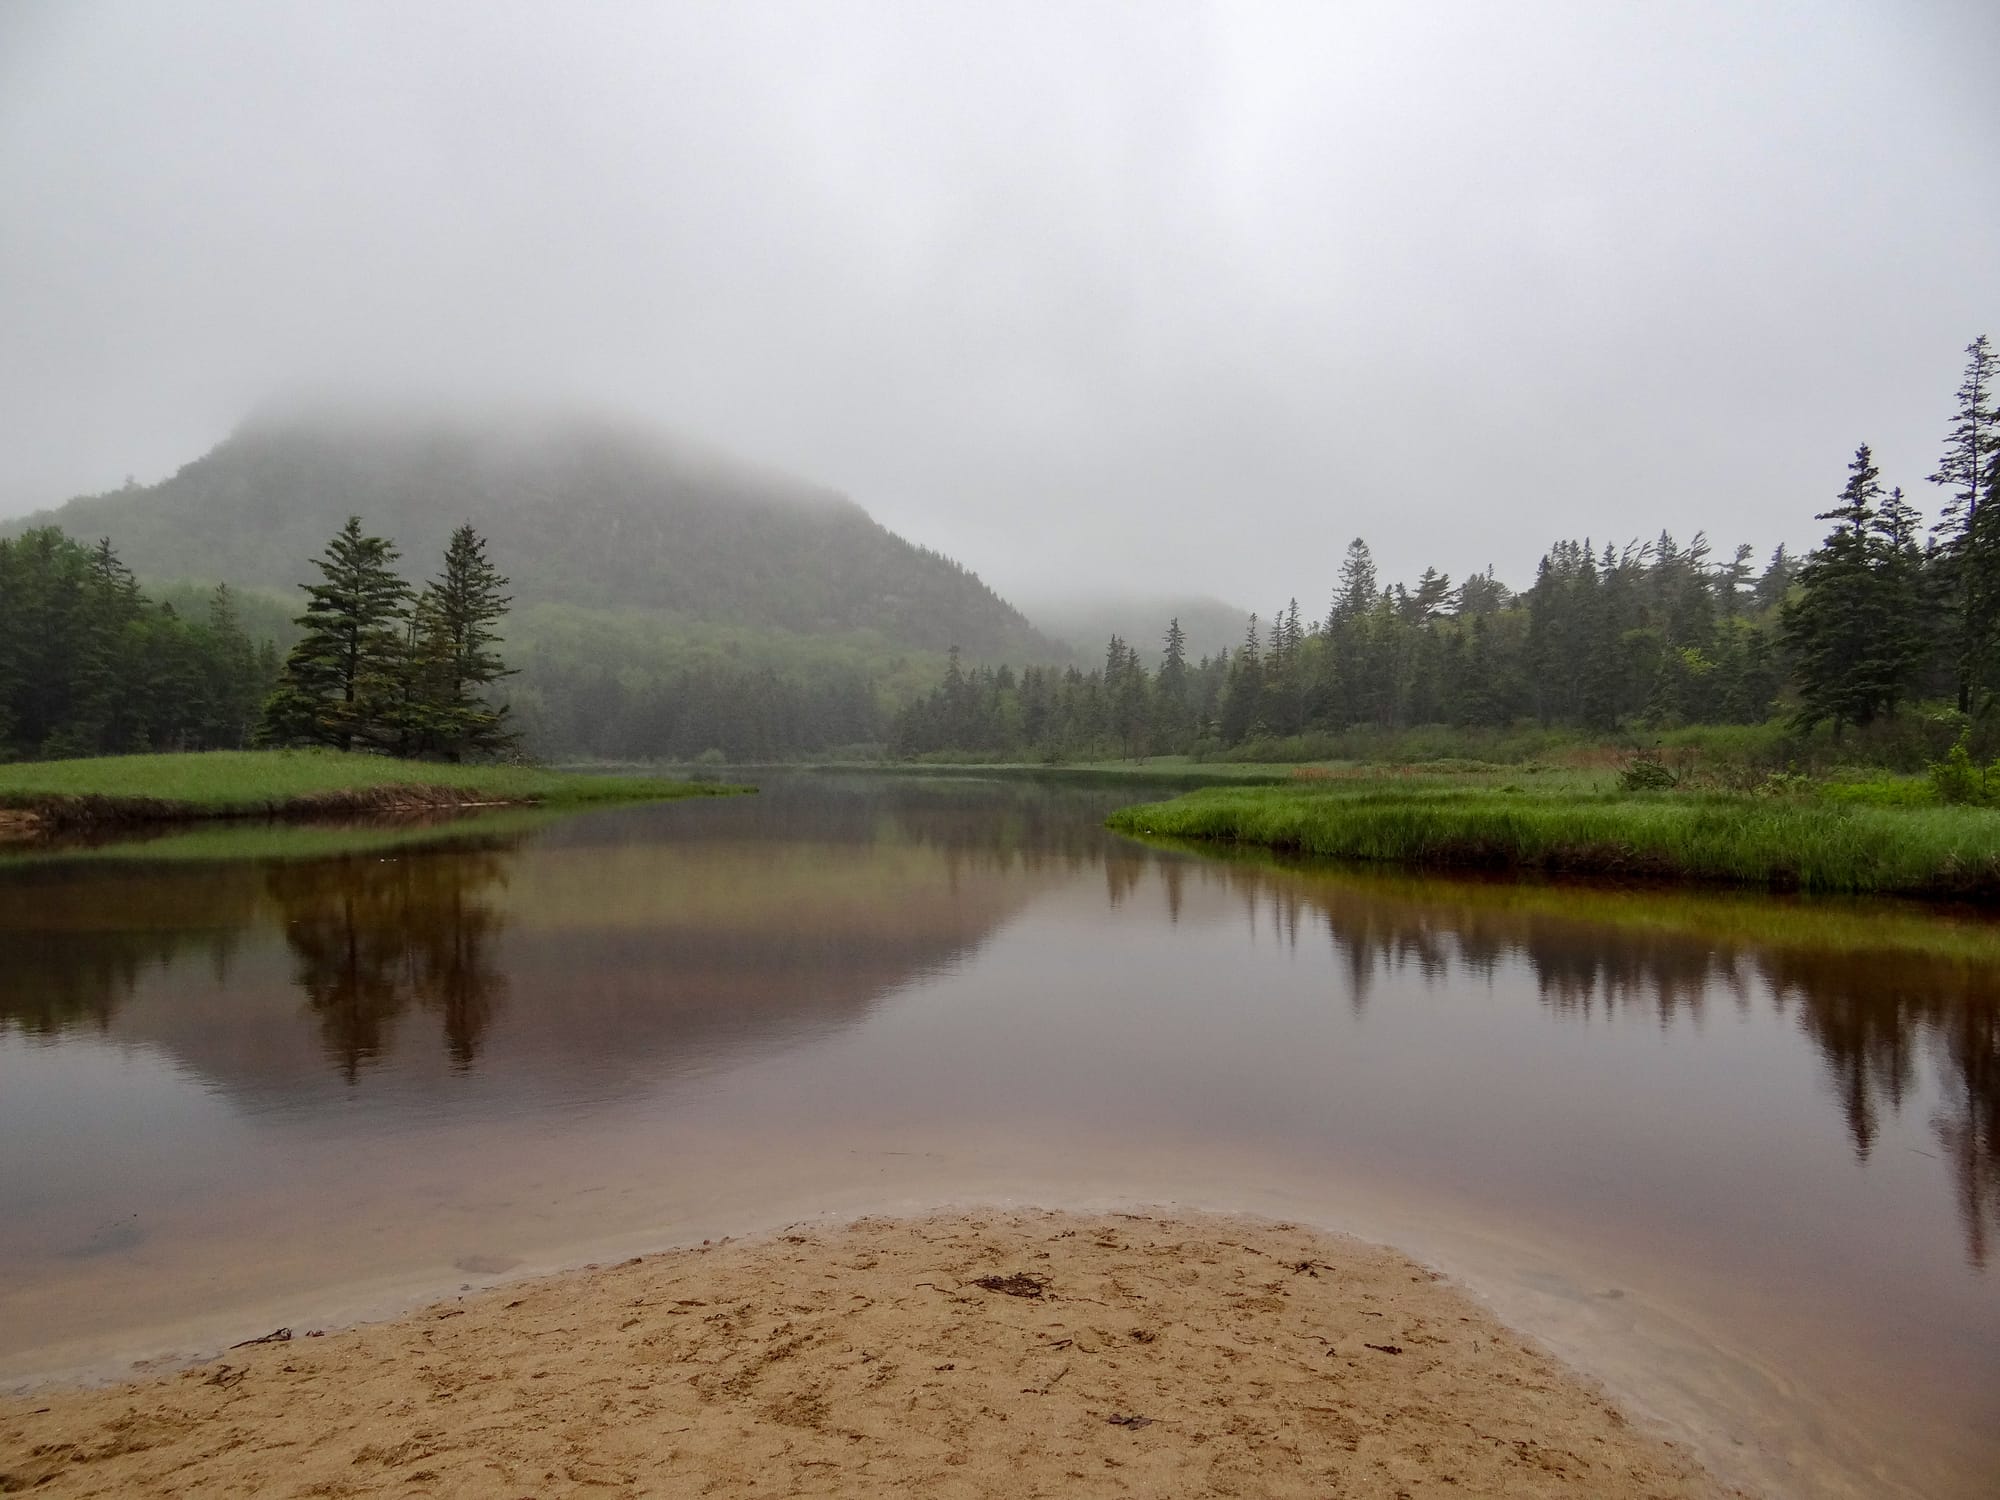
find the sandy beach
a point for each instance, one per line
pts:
(975, 1353)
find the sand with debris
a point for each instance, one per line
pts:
(1013, 1353)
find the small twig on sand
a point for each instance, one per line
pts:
(1046, 1386)
(275, 1336)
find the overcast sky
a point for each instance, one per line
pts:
(1094, 297)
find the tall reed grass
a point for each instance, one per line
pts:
(1785, 843)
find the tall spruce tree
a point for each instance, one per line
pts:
(1838, 629)
(1356, 593)
(341, 681)
(1776, 579)
(1969, 529)
(1171, 687)
(1283, 709)
(1732, 582)
(1244, 689)
(1905, 601)
(452, 653)
(1431, 597)
(415, 720)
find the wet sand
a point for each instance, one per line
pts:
(968, 1353)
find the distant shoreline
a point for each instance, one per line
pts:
(42, 797)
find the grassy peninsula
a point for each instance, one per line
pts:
(1802, 842)
(294, 784)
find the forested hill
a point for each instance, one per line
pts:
(580, 512)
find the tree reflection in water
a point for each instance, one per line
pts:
(1899, 1005)
(75, 942)
(372, 938)
(1872, 1004)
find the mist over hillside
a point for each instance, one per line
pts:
(577, 510)
(1211, 626)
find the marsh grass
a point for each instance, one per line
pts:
(218, 841)
(252, 783)
(1782, 843)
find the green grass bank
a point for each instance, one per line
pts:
(1801, 843)
(295, 784)
(227, 840)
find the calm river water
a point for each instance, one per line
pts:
(1738, 1158)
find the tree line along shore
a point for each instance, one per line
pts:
(1880, 646)
(407, 674)
(1757, 694)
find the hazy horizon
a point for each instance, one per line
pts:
(1117, 299)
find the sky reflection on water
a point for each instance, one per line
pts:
(365, 1060)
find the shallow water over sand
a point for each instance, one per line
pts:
(1739, 1157)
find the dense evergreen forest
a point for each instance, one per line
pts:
(1883, 615)
(1607, 636)
(89, 665)
(92, 664)
(627, 685)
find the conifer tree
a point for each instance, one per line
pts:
(1776, 579)
(451, 652)
(1356, 594)
(1245, 688)
(90, 666)
(105, 658)
(416, 717)
(1838, 630)
(1731, 582)
(1283, 707)
(11, 653)
(1128, 704)
(1174, 662)
(1482, 594)
(1969, 529)
(236, 681)
(341, 679)
(1171, 686)
(1432, 595)
(1905, 592)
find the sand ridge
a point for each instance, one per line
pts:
(981, 1353)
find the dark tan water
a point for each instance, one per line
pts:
(1738, 1158)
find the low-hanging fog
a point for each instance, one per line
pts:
(1095, 297)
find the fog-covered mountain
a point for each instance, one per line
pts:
(577, 510)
